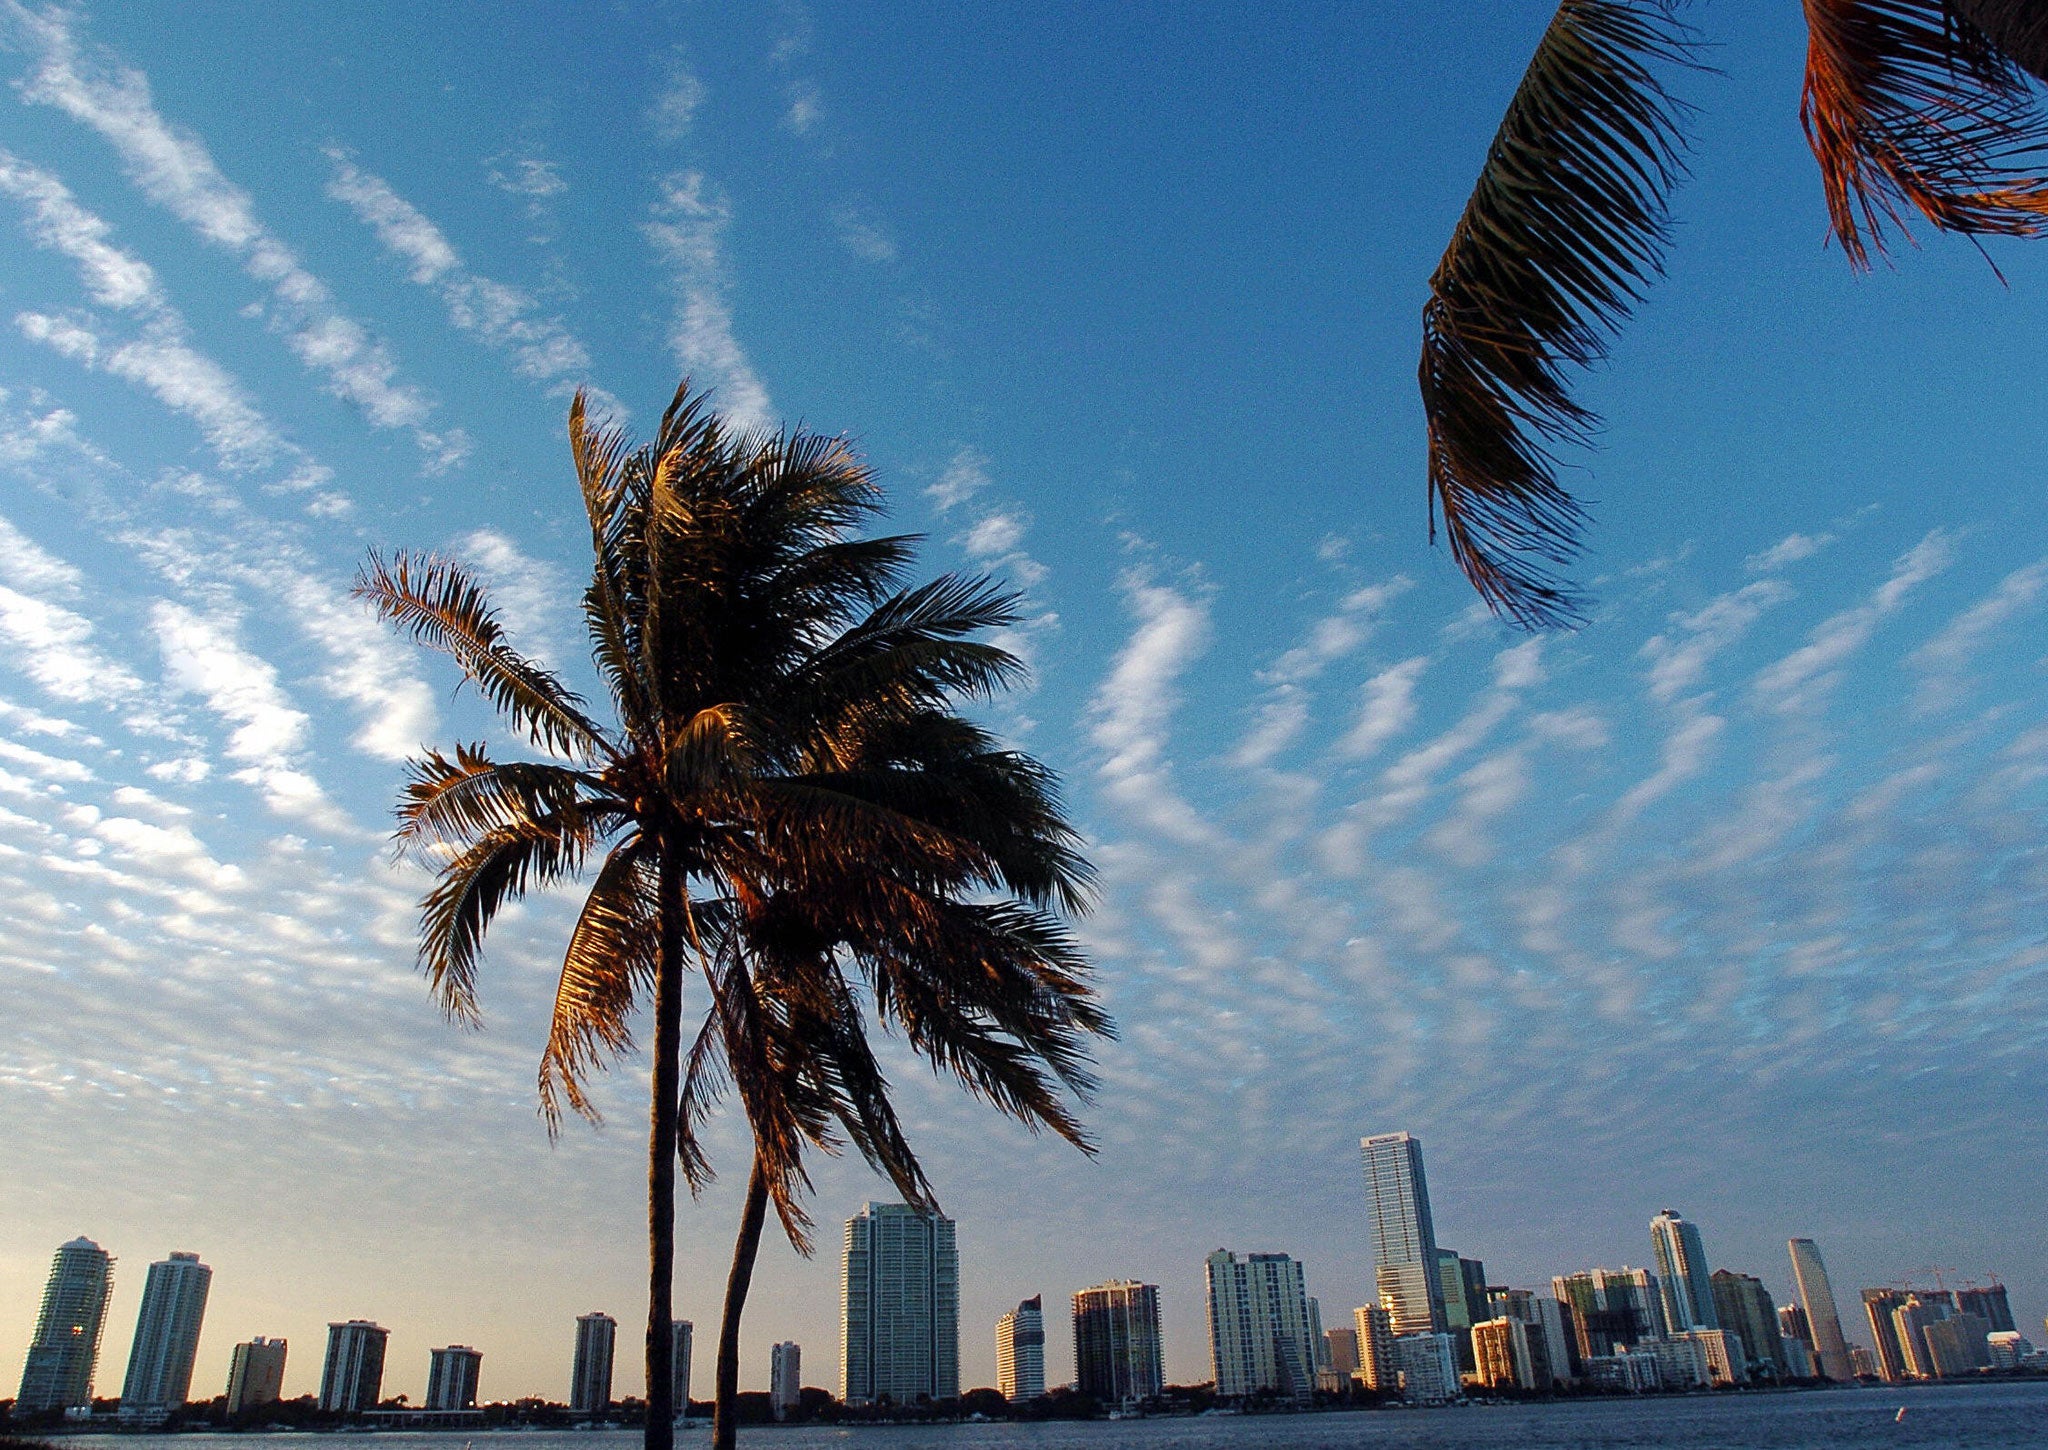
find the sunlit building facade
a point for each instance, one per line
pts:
(1020, 1351)
(1405, 1266)
(1682, 1273)
(1817, 1300)
(66, 1348)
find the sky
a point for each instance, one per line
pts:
(1732, 901)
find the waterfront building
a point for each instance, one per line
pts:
(1727, 1357)
(452, 1377)
(1687, 1361)
(255, 1374)
(66, 1348)
(1611, 1308)
(1428, 1367)
(352, 1376)
(1793, 1324)
(1340, 1350)
(1117, 1358)
(1377, 1368)
(1405, 1270)
(1550, 1349)
(1862, 1362)
(1989, 1303)
(1682, 1273)
(1798, 1357)
(1879, 1306)
(1260, 1337)
(159, 1377)
(1745, 1308)
(682, 1340)
(785, 1378)
(1817, 1300)
(590, 1375)
(1500, 1354)
(1958, 1345)
(2008, 1347)
(900, 1307)
(1020, 1351)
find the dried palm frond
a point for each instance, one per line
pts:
(1564, 230)
(1909, 104)
(2019, 28)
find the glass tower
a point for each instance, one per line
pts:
(1682, 1266)
(1823, 1320)
(1403, 1238)
(166, 1335)
(58, 1374)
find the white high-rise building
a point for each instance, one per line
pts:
(1020, 1351)
(166, 1337)
(1428, 1365)
(66, 1349)
(1682, 1273)
(682, 1340)
(1260, 1334)
(1403, 1234)
(256, 1374)
(352, 1377)
(452, 1375)
(785, 1377)
(899, 1307)
(1823, 1320)
(590, 1377)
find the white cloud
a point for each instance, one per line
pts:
(862, 234)
(687, 234)
(1679, 658)
(46, 641)
(1788, 550)
(1388, 708)
(1942, 660)
(112, 277)
(675, 108)
(1132, 709)
(1801, 680)
(965, 476)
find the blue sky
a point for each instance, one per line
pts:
(1731, 902)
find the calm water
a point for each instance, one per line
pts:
(2009, 1417)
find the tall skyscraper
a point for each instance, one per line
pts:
(1745, 1308)
(352, 1377)
(1682, 1270)
(255, 1374)
(590, 1378)
(1403, 1236)
(452, 1375)
(166, 1337)
(900, 1307)
(682, 1340)
(785, 1377)
(66, 1349)
(1020, 1351)
(1989, 1303)
(1611, 1308)
(1260, 1337)
(1823, 1322)
(1117, 1356)
(1879, 1305)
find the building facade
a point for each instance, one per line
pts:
(1020, 1351)
(785, 1378)
(255, 1374)
(1377, 1368)
(1501, 1358)
(166, 1337)
(452, 1375)
(1428, 1367)
(590, 1375)
(1611, 1308)
(352, 1375)
(1260, 1334)
(66, 1350)
(899, 1307)
(682, 1344)
(1745, 1308)
(1823, 1321)
(1988, 1302)
(1879, 1307)
(1117, 1351)
(1682, 1272)
(1405, 1270)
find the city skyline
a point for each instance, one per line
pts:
(1126, 315)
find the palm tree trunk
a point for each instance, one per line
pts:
(661, 1160)
(725, 1426)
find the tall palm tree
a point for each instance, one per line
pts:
(732, 612)
(1911, 107)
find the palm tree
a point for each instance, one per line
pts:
(1911, 107)
(739, 628)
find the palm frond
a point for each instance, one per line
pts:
(1563, 232)
(436, 602)
(613, 634)
(474, 886)
(608, 967)
(2018, 28)
(455, 802)
(1911, 107)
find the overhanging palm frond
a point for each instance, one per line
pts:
(455, 802)
(609, 965)
(2019, 28)
(1910, 106)
(1563, 232)
(501, 866)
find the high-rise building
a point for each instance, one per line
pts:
(166, 1337)
(1340, 1349)
(66, 1349)
(1879, 1305)
(1377, 1367)
(1500, 1354)
(352, 1377)
(1611, 1308)
(452, 1378)
(1260, 1337)
(1117, 1357)
(1403, 1235)
(255, 1374)
(1793, 1324)
(1745, 1307)
(1428, 1368)
(1798, 1355)
(900, 1307)
(682, 1341)
(1683, 1273)
(1020, 1351)
(1958, 1345)
(590, 1377)
(1550, 1350)
(1989, 1303)
(1817, 1298)
(785, 1377)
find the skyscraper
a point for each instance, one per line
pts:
(452, 1375)
(1817, 1298)
(166, 1337)
(785, 1377)
(66, 1349)
(590, 1378)
(1611, 1308)
(255, 1374)
(1989, 1303)
(682, 1340)
(352, 1376)
(1117, 1356)
(1403, 1236)
(1020, 1351)
(1376, 1364)
(1879, 1305)
(1745, 1308)
(1682, 1269)
(900, 1307)
(1260, 1337)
